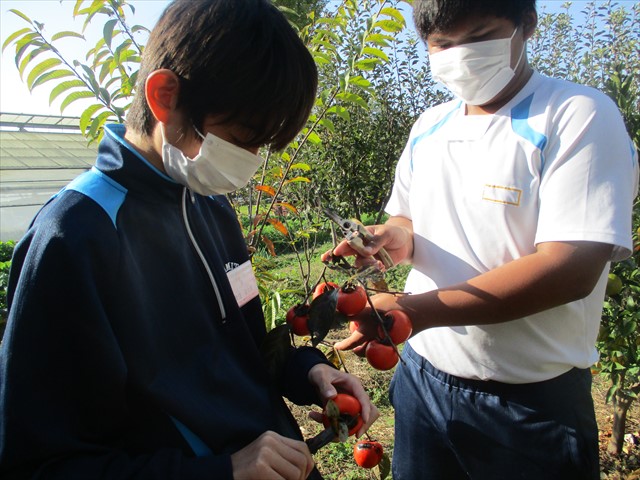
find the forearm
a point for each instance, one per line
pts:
(556, 274)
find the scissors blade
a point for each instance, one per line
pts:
(347, 226)
(323, 438)
(357, 235)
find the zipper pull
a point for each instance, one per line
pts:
(193, 197)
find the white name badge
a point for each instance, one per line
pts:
(243, 283)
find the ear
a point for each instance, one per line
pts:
(529, 23)
(161, 90)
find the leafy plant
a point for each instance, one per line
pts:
(374, 81)
(107, 75)
(602, 51)
(348, 41)
(619, 340)
(6, 251)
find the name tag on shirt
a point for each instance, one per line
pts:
(243, 283)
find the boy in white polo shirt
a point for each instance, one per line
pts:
(509, 201)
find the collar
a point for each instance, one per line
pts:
(123, 163)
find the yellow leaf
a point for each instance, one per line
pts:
(269, 245)
(298, 179)
(266, 189)
(257, 219)
(288, 206)
(278, 225)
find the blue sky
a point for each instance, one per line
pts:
(56, 15)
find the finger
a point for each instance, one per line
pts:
(294, 461)
(369, 411)
(321, 376)
(352, 341)
(360, 350)
(343, 249)
(302, 451)
(368, 262)
(369, 418)
(326, 256)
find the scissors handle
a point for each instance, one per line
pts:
(357, 235)
(358, 239)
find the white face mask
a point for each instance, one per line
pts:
(220, 167)
(476, 72)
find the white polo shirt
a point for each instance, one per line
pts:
(554, 164)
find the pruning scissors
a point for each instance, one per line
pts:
(358, 236)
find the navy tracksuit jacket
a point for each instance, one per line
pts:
(126, 354)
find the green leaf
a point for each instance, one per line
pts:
(97, 124)
(87, 115)
(40, 68)
(360, 81)
(301, 166)
(30, 56)
(51, 76)
(107, 31)
(76, 7)
(89, 76)
(128, 55)
(379, 39)
(314, 138)
(13, 36)
(323, 43)
(394, 13)
(66, 34)
(328, 124)
(99, 58)
(376, 52)
(122, 47)
(105, 95)
(340, 111)
(139, 28)
(328, 33)
(74, 96)
(353, 98)
(63, 87)
(30, 40)
(322, 58)
(105, 70)
(389, 26)
(21, 15)
(97, 6)
(113, 80)
(331, 21)
(367, 64)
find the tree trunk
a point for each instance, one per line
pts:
(621, 404)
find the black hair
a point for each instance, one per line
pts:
(237, 58)
(442, 15)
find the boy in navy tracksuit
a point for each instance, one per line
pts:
(131, 349)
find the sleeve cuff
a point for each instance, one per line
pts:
(297, 387)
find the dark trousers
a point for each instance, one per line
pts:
(450, 428)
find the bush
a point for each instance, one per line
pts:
(6, 251)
